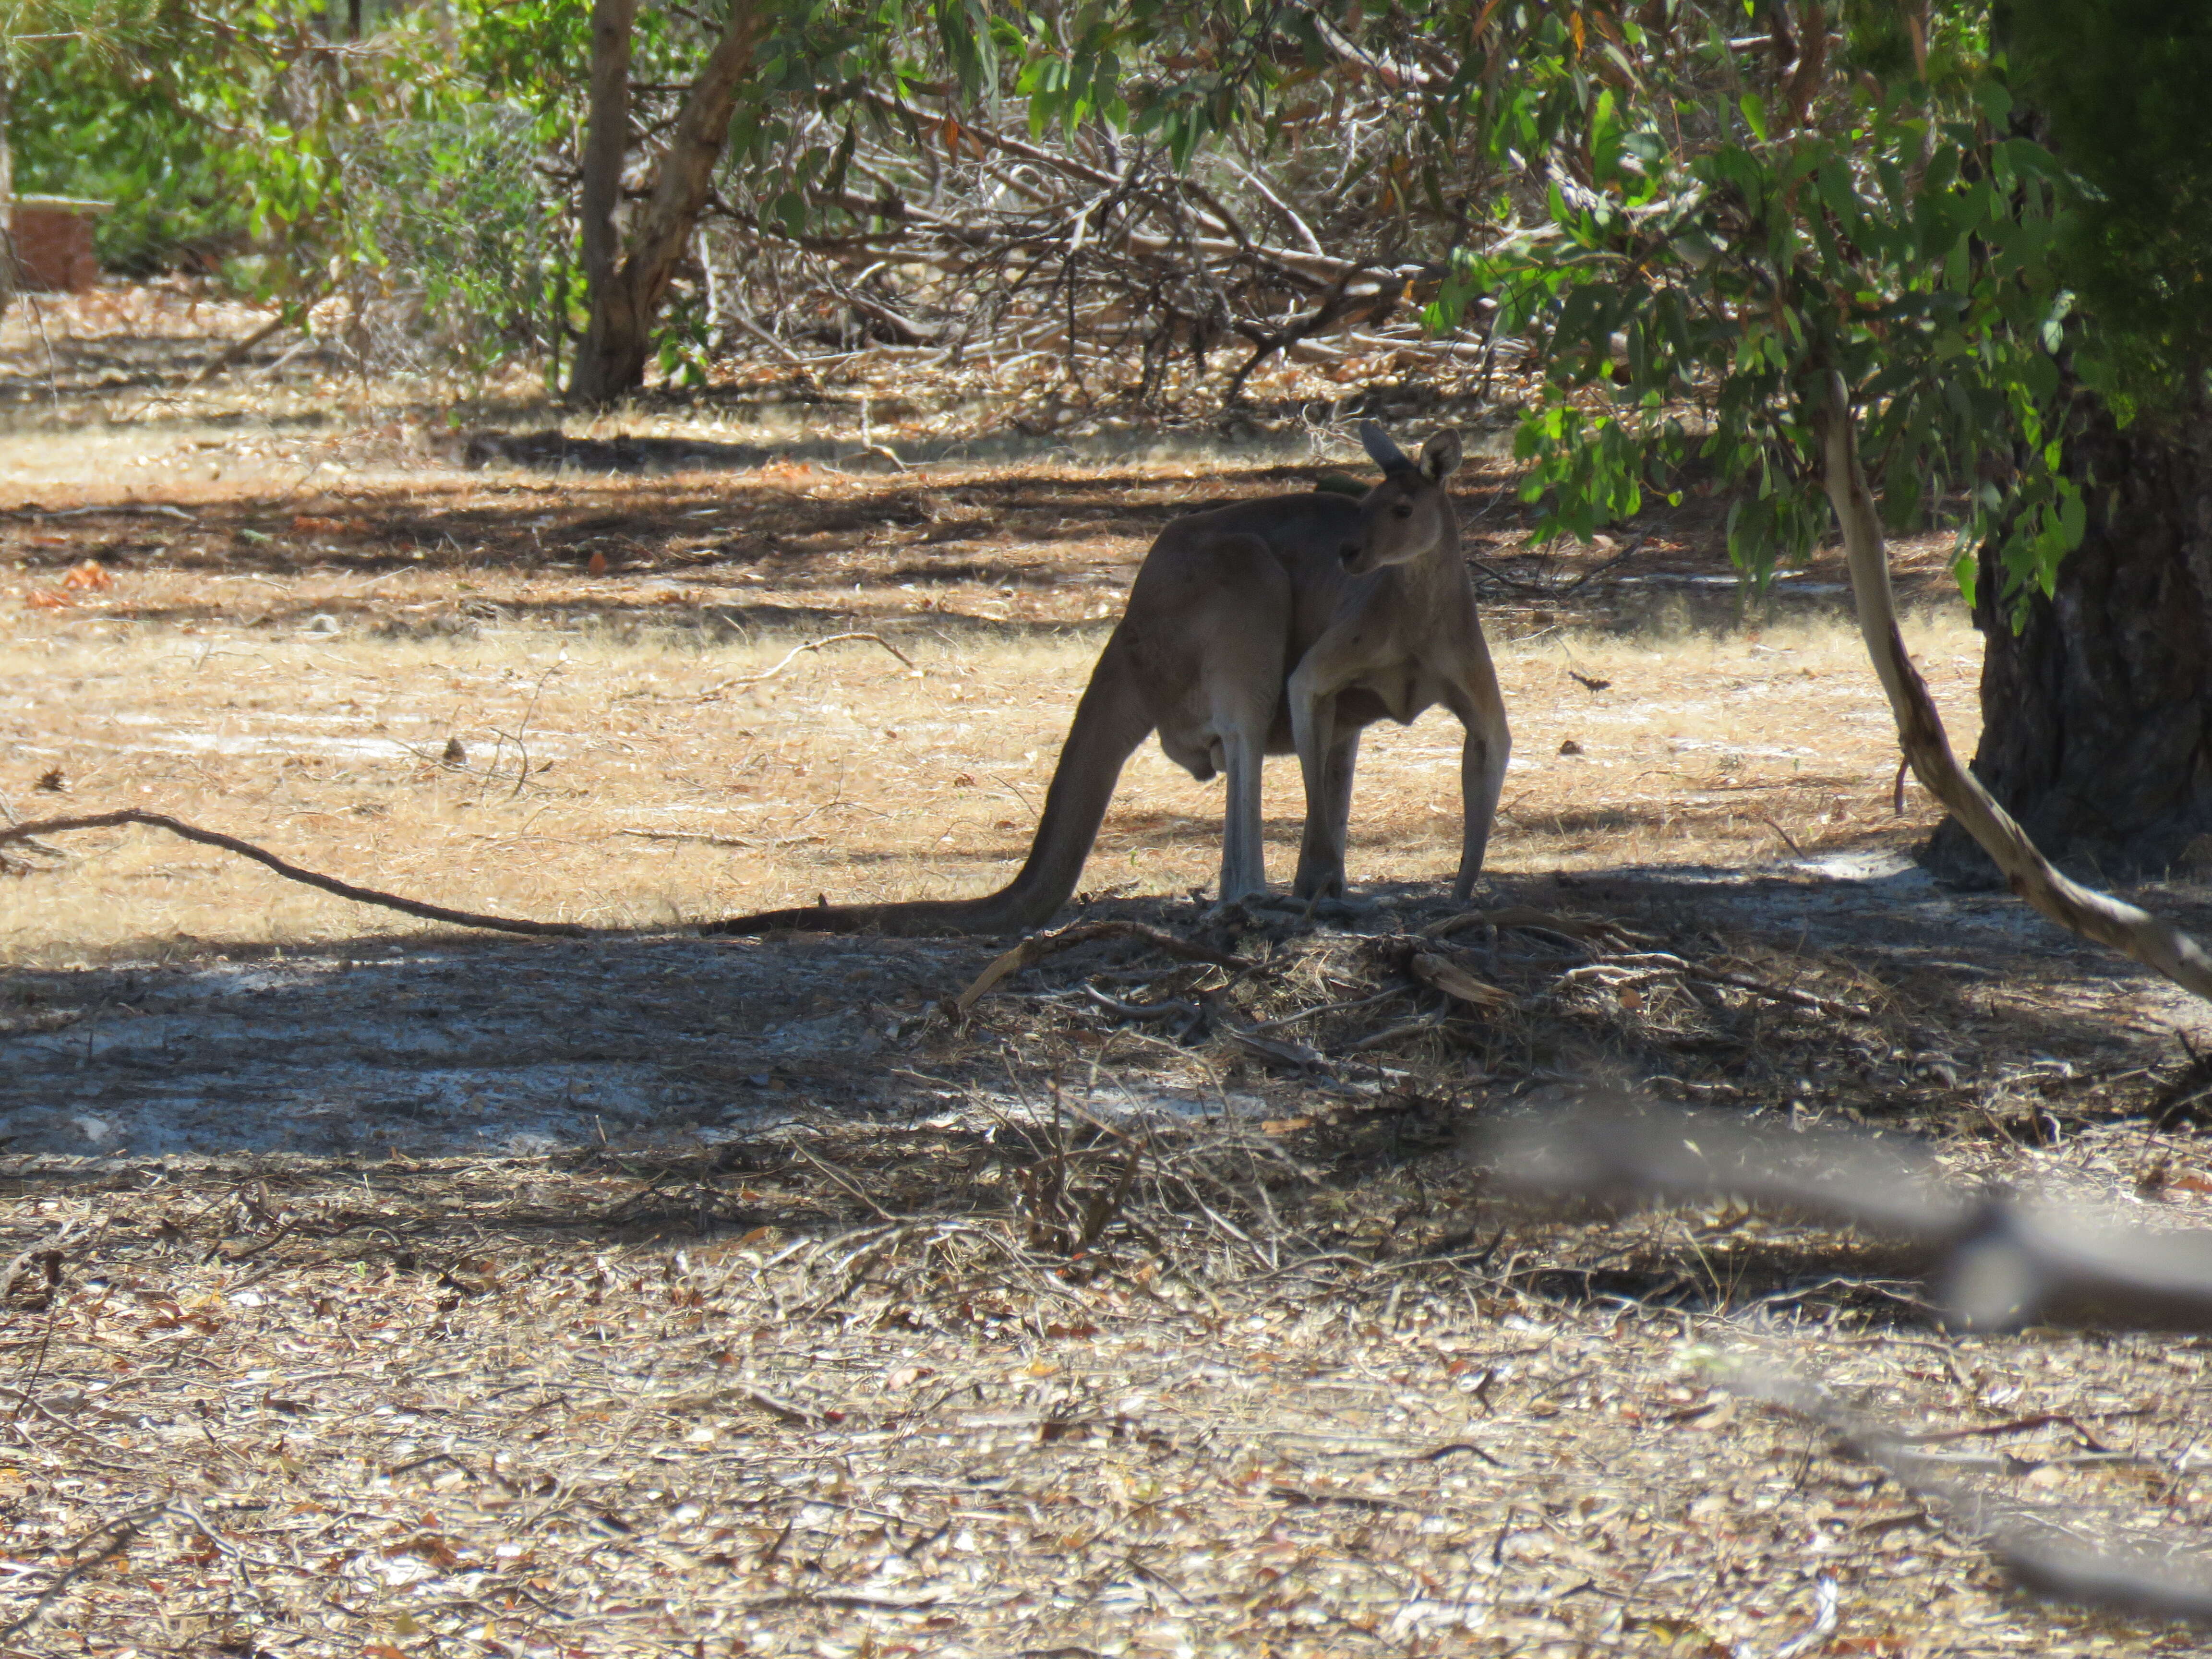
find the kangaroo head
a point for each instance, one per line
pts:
(1409, 513)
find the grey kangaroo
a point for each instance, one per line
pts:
(1259, 629)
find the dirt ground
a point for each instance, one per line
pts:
(398, 1289)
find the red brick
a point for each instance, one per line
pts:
(53, 244)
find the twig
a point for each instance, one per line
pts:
(122, 1530)
(1277, 1024)
(1665, 961)
(753, 842)
(1595, 931)
(292, 872)
(1146, 1011)
(713, 692)
(1788, 839)
(151, 509)
(234, 353)
(1389, 1034)
(1035, 948)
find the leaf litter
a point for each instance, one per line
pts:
(651, 1295)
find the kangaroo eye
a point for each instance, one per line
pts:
(1401, 511)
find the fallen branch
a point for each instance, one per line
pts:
(794, 655)
(2038, 1554)
(1649, 963)
(1035, 948)
(344, 889)
(1594, 929)
(2134, 933)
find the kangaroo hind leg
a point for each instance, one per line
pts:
(1210, 625)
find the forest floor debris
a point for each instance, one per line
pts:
(383, 1289)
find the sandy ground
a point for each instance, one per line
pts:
(390, 1289)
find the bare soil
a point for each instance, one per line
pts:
(394, 1289)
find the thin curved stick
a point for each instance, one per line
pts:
(794, 655)
(344, 889)
(2153, 942)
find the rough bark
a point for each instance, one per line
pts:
(2097, 717)
(607, 137)
(625, 300)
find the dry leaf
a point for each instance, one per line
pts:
(597, 566)
(91, 576)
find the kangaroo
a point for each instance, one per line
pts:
(1253, 629)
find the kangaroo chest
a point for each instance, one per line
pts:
(1399, 691)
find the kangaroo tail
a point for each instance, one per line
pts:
(1110, 721)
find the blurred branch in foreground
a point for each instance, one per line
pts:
(1996, 1260)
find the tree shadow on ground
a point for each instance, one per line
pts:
(441, 1042)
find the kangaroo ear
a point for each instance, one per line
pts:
(1380, 450)
(1440, 456)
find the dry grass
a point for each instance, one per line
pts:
(1053, 1330)
(849, 773)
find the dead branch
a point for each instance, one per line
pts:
(1035, 948)
(344, 889)
(792, 656)
(1651, 963)
(1997, 1262)
(2157, 944)
(1596, 929)
(2038, 1556)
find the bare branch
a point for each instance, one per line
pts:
(344, 889)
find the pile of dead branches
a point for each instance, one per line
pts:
(1094, 256)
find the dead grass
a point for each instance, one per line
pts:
(652, 797)
(808, 1394)
(1061, 1328)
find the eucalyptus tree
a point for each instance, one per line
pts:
(2097, 687)
(1842, 245)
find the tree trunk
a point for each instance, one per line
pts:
(606, 142)
(624, 302)
(2097, 717)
